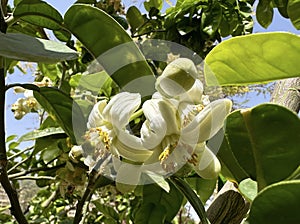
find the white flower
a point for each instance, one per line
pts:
(107, 134)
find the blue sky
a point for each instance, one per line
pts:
(30, 121)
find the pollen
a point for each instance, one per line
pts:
(167, 151)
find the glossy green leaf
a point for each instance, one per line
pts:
(282, 7)
(191, 196)
(134, 18)
(113, 48)
(158, 4)
(265, 142)
(278, 203)
(62, 35)
(293, 10)
(40, 133)
(51, 152)
(150, 213)
(63, 110)
(106, 210)
(253, 58)
(211, 19)
(264, 13)
(26, 48)
(158, 179)
(204, 188)
(248, 188)
(38, 13)
(171, 201)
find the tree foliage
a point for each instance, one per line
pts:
(101, 49)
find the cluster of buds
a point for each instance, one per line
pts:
(27, 104)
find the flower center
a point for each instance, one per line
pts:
(168, 145)
(190, 116)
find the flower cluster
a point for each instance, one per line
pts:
(179, 120)
(28, 104)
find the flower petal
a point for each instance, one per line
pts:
(161, 120)
(130, 147)
(208, 165)
(207, 122)
(177, 78)
(96, 118)
(121, 107)
(194, 95)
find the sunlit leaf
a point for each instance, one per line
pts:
(248, 188)
(41, 133)
(278, 203)
(26, 48)
(134, 18)
(253, 58)
(113, 48)
(38, 13)
(106, 210)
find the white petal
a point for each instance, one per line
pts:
(194, 95)
(121, 107)
(208, 166)
(96, 118)
(161, 120)
(208, 122)
(130, 147)
(177, 78)
(28, 93)
(129, 174)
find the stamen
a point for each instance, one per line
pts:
(194, 159)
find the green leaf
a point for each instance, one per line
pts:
(113, 48)
(159, 180)
(191, 196)
(158, 4)
(93, 82)
(278, 203)
(62, 35)
(171, 201)
(26, 48)
(107, 211)
(293, 10)
(204, 188)
(248, 188)
(38, 13)
(40, 133)
(134, 18)
(282, 7)
(264, 13)
(63, 110)
(265, 142)
(150, 213)
(211, 19)
(253, 58)
(50, 153)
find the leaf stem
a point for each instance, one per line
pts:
(191, 196)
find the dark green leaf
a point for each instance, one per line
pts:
(211, 19)
(293, 10)
(150, 213)
(191, 196)
(62, 35)
(278, 203)
(113, 48)
(204, 188)
(265, 142)
(51, 152)
(282, 7)
(264, 13)
(38, 13)
(134, 18)
(253, 58)
(172, 201)
(26, 48)
(63, 110)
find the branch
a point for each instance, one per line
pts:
(287, 93)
